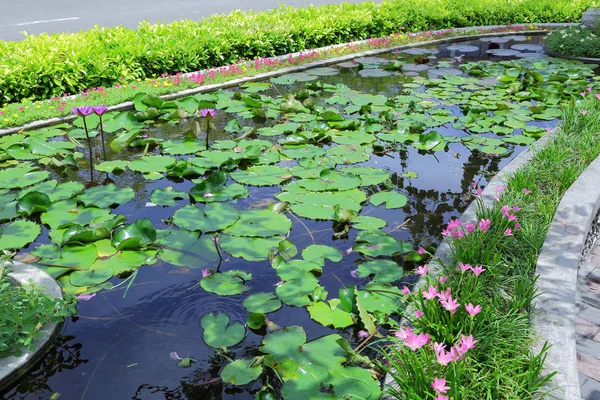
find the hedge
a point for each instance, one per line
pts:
(43, 66)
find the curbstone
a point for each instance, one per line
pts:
(13, 367)
(591, 18)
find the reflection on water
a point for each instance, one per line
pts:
(119, 346)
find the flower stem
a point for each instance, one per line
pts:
(102, 137)
(90, 149)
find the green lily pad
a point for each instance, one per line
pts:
(260, 223)
(21, 176)
(368, 175)
(214, 217)
(262, 175)
(33, 202)
(262, 303)
(366, 223)
(330, 314)
(219, 333)
(295, 269)
(241, 372)
(17, 234)
(385, 271)
(331, 181)
(391, 199)
(227, 283)
(68, 212)
(91, 276)
(134, 236)
(297, 292)
(112, 166)
(183, 146)
(167, 196)
(378, 243)
(250, 248)
(105, 196)
(149, 164)
(317, 253)
(186, 249)
(215, 188)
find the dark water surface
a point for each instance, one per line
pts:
(118, 347)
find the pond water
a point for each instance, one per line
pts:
(120, 344)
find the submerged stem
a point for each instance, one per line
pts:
(102, 137)
(90, 149)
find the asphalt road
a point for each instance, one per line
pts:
(55, 16)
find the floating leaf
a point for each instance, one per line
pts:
(105, 196)
(68, 212)
(183, 146)
(260, 223)
(147, 164)
(317, 253)
(137, 235)
(385, 271)
(33, 202)
(17, 234)
(262, 303)
(219, 333)
(240, 372)
(21, 176)
(167, 196)
(391, 199)
(215, 188)
(330, 314)
(262, 175)
(250, 248)
(227, 283)
(366, 223)
(296, 292)
(185, 249)
(214, 217)
(378, 243)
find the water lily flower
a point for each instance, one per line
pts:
(430, 293)
(82, 111)
(99, 110)
(422, 270)
(485, 225)
(363, 334)
(464, 267)
(174, 356)
(85, 297)
(208, 111)
(405, 290)
(439, 385)
(206, 273)
(473, 310)
(477, 270)
(421, 250)
(353, 273)
(527, 191)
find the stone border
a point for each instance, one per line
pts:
(12, 368)
(443, 254)
(557, 267)
(552, 53)
(321, 63)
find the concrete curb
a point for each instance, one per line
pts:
(321, 63)
(12, 368)
(582, 59)
(557, 267)
(443, 254)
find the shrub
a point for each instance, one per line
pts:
(577, 41)
(43, 66)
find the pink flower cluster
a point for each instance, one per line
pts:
(457, 229)
(412, 340)
(456, 352)
(477, 270)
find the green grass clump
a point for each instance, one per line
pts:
(44, 66)
(28, 311)
(501, 249)
(576, 41)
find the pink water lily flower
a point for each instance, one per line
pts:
(99, 110)
(85, 297)
(206, 273)
(421, 250)
(439, 385)
(82, 111)
(208, 111)
(473, 310)
(422, 270)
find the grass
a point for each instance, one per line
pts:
(18, 114)
(502, 364)
(576, 41)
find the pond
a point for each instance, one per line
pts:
(316, 190)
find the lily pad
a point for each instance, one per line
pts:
(330, 314)
(148, 164)
(106, 196)
(262, 303)
(215, 188)
(391, 199)
(317, 253)
(260, 223)
(167, 196)
(262, 175)
(241, 372)
(250, 248)
(185, 249)
(17, 234)
(378, 243)
(385, 271)
(214, 217)
(219, 333)
(227, 283)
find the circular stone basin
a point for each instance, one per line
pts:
(374, 73)
(504, 53)
(464, 48)
(526, 47)
(415, 67)
(497, 40)
(445, 71)
(371, 60)
(419, 51)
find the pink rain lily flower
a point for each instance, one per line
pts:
(453, 224)
(464, 267)
(470, 227)
(444, 357)
(438, 347)
(583, 112)
(418, 314)
(430, 293)
(485, 225)
(421, 250)
(99, 110)
(582, 94)
(439, 385)
(473, 310)
(468, 341)
(478, 269)
(403, 334)
(363, 334)
(206, 273)
(450, 304)
(208, 111)
(445, 295)
(527, 191)
(422, 270)
(457, 234)
(512, 217)
(442, 397)
(505, 210)
(443, 279)
(499, 188)
(598, 96)
(517, 226)
(548, 129)
(405, 290)
(508, 232)
(415, 342)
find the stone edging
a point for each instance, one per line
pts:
(552, 53)
(443, 254)
(557, 267)
(12, 368)
(298, 68)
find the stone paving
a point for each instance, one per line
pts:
(588, 324)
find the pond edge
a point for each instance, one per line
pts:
(443, 254)
(553, 53)
(321, 63)
(13, 367)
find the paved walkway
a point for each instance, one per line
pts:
(588, 324)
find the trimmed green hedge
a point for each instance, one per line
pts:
(44, 66)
